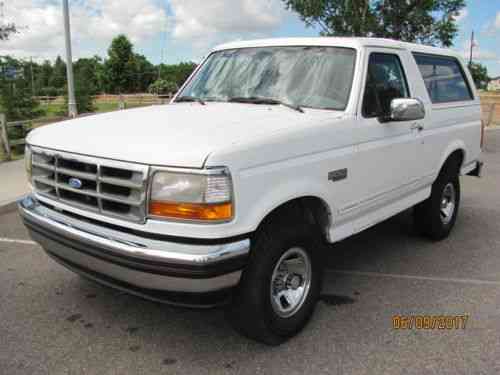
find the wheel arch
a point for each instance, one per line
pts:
(313, 209)
(457, 150)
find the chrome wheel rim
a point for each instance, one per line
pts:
(448, 203)
(290, 282)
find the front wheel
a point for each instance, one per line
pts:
(281, 284)
(436, 216)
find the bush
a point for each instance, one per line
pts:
(50, 91)
(83, 96)
(163, 87)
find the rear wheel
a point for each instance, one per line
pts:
(281, 284)
(436, 216)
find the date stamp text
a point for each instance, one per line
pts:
(429, 322)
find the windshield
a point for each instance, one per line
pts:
(315, 77)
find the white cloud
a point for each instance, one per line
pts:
(497, 21)
(94, 23)
(202, 21)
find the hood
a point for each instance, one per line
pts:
(180, 135)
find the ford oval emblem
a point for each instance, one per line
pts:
(75, 183)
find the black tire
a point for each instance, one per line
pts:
(252, 312)
(429, 215)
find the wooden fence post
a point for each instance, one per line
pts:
(5, 136)
(121, 103)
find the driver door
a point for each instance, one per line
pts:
(386, 158)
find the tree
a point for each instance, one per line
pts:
(7, 30)
(58, 78)
(120, 66)
(88, 82)
(177, 73)
(89, 72)
(43, 77)
(480, 75)
(16, 100)
(145, 73)
(16, 89)
(425, 21)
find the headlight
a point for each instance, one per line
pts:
(28, 161)
(204, 196)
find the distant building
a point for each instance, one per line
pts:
(494, 84)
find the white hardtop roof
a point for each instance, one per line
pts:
(356, 43)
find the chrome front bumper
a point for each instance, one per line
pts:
(180, 271)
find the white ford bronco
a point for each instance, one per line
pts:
(271, 150)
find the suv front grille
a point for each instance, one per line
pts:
(108, 187)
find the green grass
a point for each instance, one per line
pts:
(57, 110)
(51, 110)
(105, 106)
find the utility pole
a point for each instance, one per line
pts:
(471, 47)
(72, 110)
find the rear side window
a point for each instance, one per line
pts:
(444, 78)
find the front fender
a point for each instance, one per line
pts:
(262, 199)
(277, 199)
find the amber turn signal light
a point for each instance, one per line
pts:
(192, 211)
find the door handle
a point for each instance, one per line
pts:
(417, 127)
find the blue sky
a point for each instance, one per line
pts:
(182, 30)
(482, 16)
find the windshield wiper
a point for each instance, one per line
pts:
(262, 100)
(191, 99)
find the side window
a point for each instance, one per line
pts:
(444, 78)
(385, 81)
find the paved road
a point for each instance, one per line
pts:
(13, 181)
(53, 322)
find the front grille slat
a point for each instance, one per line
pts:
(44, 180)
(108, 187)
(75, 173)
(120, 182)
(44, 166)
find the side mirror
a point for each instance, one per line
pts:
(406, 109)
